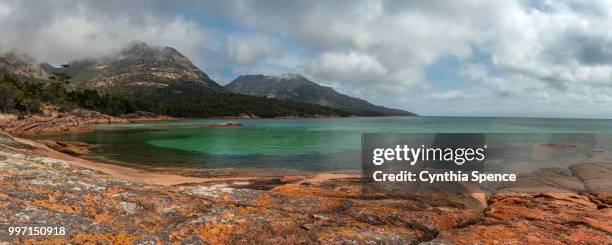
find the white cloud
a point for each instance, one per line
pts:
(5, 9)
(526, 56)
(561, 44)
(369, 45)
(347, 71)
(243, 50)
(475, 71)
(341, 65)
(451, 95)
(65, 32)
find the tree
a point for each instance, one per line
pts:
(61, 77)
(9, 97)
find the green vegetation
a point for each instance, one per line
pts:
(193, 99)
(226, 104)
(26, 97)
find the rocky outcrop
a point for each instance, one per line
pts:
(38, 125)
(322, 208)
(105, 119)
(59, 124)
(68, 147)
(22, 66)
(147, 116)
(550, 206)
(64, 123)
(547, 218)
(94, 117)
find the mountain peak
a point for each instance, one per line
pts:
(289, 76)
(295, 87)
(139, 66)
(144, 51)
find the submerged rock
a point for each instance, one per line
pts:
(68, 147)
(225, 124)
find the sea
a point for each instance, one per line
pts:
(323, 144)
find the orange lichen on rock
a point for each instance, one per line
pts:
(546, 218)
(91, 238)
(292, 178)
(263, 200)
(326, 208)
(215, 234)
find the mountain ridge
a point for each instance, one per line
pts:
(165, 77)
(296, 87)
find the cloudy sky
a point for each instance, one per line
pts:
(444, 57)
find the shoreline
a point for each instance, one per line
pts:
(144, 175)
(117, 171)
(163, 176)
(76, 122)
(102, 202)
(156, 175)
(212, 172)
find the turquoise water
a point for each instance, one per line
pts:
(291, 144)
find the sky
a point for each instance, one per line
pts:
(439, 58)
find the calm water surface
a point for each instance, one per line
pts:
(290, 144)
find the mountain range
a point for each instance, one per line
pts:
(164, 75)
(295, 87)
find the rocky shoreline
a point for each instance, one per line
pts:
(78, 122)
(96, 203)
(68, 123)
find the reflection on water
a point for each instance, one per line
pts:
(324, 144)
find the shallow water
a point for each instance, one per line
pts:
(292, 144)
